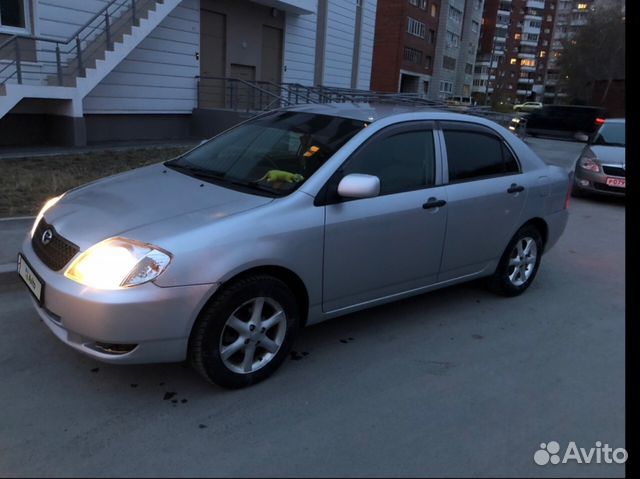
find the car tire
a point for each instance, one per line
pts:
(228, 331)
(519, 263)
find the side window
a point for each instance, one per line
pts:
(510, 162)
(473, 155)
(403, 162)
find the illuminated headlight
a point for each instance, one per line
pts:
(44, 209)
(118, 263)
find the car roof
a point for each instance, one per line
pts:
(615, 120)
(370, 112)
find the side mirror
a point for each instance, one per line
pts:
(581, 137)
(357, 185)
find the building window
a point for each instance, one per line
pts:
(543, 54)
(432, 37)
(532, 37)
(446, 87)
(449, 63)
(13, 15)
(535, 23)
(453, 40)
(513, 61)
(423, 4)
(468, 69)
(434, 10)
(583, 6)
(518, 36)
(427, 62)
(526, 62)
(412, 55)
(416, 28)
(414, 2)
(455, 15)
(475, 26)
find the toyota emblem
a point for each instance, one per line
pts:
(47, 236)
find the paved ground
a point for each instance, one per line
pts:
(455, 383)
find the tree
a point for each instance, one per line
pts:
(596, 52)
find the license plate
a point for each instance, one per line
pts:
(31, 278)
(617, 182)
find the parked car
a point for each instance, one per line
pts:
(528, 106)
(297, 216)
(601, 167)
(565, 121)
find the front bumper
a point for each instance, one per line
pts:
(589, 181)
(155, 321)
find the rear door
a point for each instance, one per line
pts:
(486, 193)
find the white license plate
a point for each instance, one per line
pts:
(30, 277)
(617, 182)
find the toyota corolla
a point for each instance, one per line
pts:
(294, 217)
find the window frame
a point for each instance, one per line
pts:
(10, 30)
(462, 126)
(328, 194)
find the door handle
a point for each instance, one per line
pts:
(433, 203)
(515, 188)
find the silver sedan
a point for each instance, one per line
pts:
(300, 215)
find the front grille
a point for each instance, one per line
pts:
(614, 171)
(57, 252)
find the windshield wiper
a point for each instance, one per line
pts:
(221, 177)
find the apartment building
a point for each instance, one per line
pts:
(456, 48)
(570, 16)
(514, 50)
(88, 71)
(404, 45)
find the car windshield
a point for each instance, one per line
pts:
(611, 134)
(272, 155)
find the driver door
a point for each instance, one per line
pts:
(386, 245)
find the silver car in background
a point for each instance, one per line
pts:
(300, 215)
(601, 167)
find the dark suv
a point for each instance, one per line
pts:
(565, 121)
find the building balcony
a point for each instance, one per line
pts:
(500, 39)
(505, 13)
(529, 29)
(523, 92)
(535, 17)
(524, 68)
(578, 22)
(527, 81)
(535, 4)
(532, 56)
(528, 43)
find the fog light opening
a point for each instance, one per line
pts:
(113, 349)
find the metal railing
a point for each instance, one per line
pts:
(258, 96)
(41, 60)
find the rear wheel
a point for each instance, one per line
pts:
(245, 333)
(519, 263)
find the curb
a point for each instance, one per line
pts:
(8, 273)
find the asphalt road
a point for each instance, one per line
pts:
(458, 382)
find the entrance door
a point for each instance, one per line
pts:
(271, 64)
(242, 95)
(213, 46)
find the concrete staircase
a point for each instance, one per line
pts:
(79, 76)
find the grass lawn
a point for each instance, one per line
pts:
(26, 183)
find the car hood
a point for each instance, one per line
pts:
(119, 204)
(614, 155)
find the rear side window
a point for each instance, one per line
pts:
(473, 154)
(403, 162)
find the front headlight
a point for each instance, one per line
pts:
(118, 263)
(588, 162)
(43, 210)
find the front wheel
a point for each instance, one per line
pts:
(244, 334)
(519, 263)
